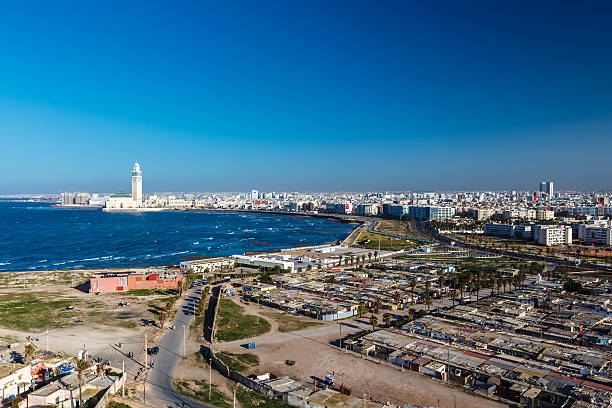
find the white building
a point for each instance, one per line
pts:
(553, 235)
(264, 261)
(207, 265)
(124, 201)
(545, 215)
(14, 379)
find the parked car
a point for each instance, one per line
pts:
(153, 350)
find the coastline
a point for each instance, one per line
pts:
(357, 223)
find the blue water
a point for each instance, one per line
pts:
(35, 236)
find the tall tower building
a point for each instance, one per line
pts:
(137, 183)
(548, 188)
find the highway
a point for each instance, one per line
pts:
(160, 389)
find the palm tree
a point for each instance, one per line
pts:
(29, 352)
(379, 303)
(453, 294)
(369, 257)
(387, 319)
(477, 287)
(397, 297)
(340, 261)
(161, 316)
(412, 286)
(360, 308)
(81, 367)
(374, 322)
(375, 255)
(428, 300)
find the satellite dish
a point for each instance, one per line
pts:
(577, 262)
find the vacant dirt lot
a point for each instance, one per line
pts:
(314, 357)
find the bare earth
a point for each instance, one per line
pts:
(314, 356)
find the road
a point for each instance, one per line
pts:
(160, 389)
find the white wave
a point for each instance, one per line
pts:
(44, 260)
(91, 259)
(179, 253)
(231, 233)
(195, 243)
(4, 263)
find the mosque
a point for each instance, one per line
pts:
(124, 201)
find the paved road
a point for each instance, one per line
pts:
(160, 390)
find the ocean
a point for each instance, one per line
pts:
(36, 236)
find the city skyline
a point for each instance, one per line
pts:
(306, 97)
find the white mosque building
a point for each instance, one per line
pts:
(124, 201)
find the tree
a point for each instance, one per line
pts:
(16, 402)
(369, 257)
(81, 367)
(397, 297)
(375, 255)
(29, 352)
(360, 306)
(428, 300)
(340, 261)
(412, 286)
(161, 316)
(374, 322)
(387, 319)
(379, 303)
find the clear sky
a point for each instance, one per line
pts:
(305, 95)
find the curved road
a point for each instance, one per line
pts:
(160, 388)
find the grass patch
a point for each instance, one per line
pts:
(148, 292)
(251, 399)
(198, 390)
(233, 324)
(289, 323)
(31, 311)
(370, 240)
(238, 362)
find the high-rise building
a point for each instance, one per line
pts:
(137, 183)
(548, 188)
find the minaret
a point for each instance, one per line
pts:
(137, 184)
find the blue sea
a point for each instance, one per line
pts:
(36, 236)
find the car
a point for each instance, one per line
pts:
(69, 307)
(172, 327)
(153, 350)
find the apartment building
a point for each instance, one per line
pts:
(553, 235)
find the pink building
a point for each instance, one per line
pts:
(124, 281)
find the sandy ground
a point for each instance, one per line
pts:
(315, 357)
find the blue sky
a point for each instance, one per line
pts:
(312, 95)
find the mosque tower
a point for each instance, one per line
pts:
(137, 184)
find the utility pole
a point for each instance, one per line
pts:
(210, 372)
(184, 354)
(340, 324)
(146, 353)
(123, 375)
(47, 339)
(234, 397)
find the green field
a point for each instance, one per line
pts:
(251, 399)
(371, 241)
(233, 324)
(32, 311)
(238, 361)
(198, 390)
(397, 227)
(289, 323)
